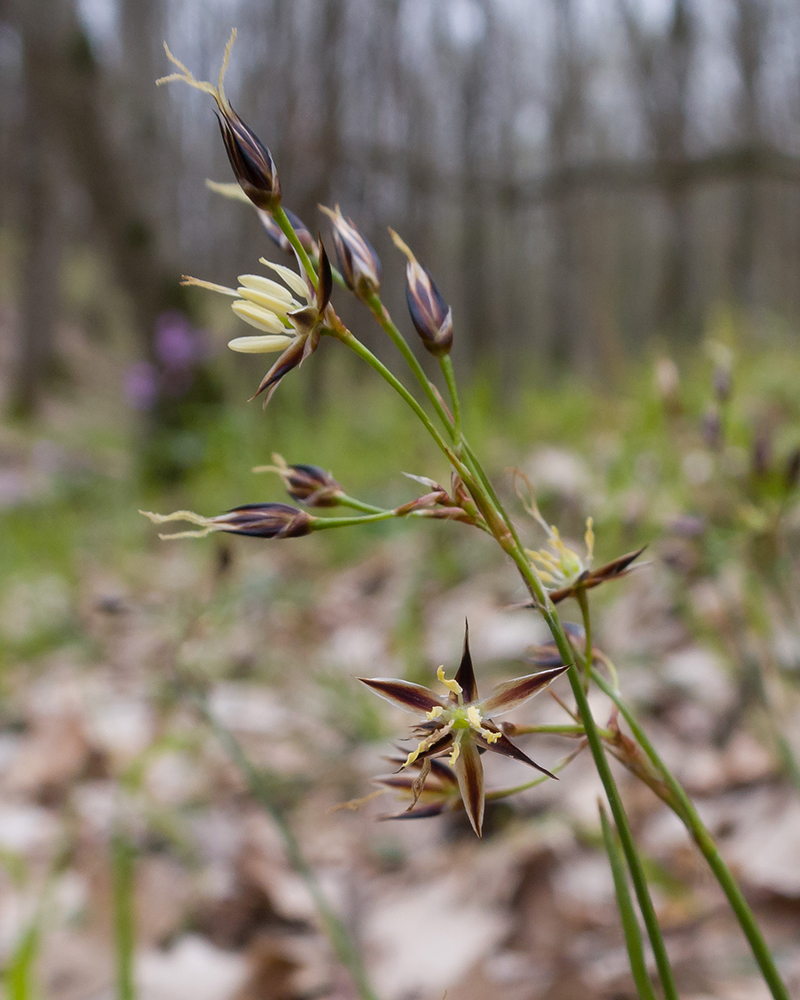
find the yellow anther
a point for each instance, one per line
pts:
(489, 736)
(474, 718)
(413, 755)
(453, 685)
(434, 713)
(589, 539)
(454, 753)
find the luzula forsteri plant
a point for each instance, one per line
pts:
(291, 317)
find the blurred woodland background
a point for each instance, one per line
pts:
(608, 194)
(579, 176)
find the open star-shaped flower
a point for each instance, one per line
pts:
(461, 724)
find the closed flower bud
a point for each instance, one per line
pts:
(261, 520)
(430, 314)
(251, 161)
(309, 484)
(358, 262)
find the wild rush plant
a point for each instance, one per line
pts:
(292, 317)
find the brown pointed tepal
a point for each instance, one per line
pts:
(461, 726)
(611, 571)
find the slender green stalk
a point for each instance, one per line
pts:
(288, 231)
(358, 348)
(381, 313)
(705, 842)
(557, 730)
(508, 538)
(367, 508)
(583, 602)
(634, 862)
(504, 793)
(630, 925)
(122, 875)
(321, 523)
(18, 980)
(450, 378)
(261, 789)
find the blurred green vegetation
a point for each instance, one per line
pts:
(645, 451)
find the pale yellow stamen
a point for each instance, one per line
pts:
(476, 721)
(402, 245)
(187, 279)
(427, 743)
(454, 754)
(183, 515)
(451, 685)
(589, 539)
(434, 713)
(280, 467)
(186, 76)
(232, 191)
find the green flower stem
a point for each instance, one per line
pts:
(450, 378)
(583, 602)
(558, 730)
(381, 314)
(367, 508)
(321, 523)
(634, 862)
(288, 231)
(705, 842)
(503, 793)
(123, 872)
(261, 789)
(630, 925)
(390, 328)
(355, 345)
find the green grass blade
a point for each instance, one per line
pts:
(123, 869)
(630, 924)
(18, 978)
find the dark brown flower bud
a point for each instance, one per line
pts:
(276, 234)
(265, 520)
(251, 161)
(358, 262)
(262, 520)
(430, 314)
(309, 484)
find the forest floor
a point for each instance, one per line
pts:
(106, 760)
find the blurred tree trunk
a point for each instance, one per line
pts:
(478, 323)
(748, 36)
(566, 115)
(68, 111)
(41, 240)
(662, 63)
